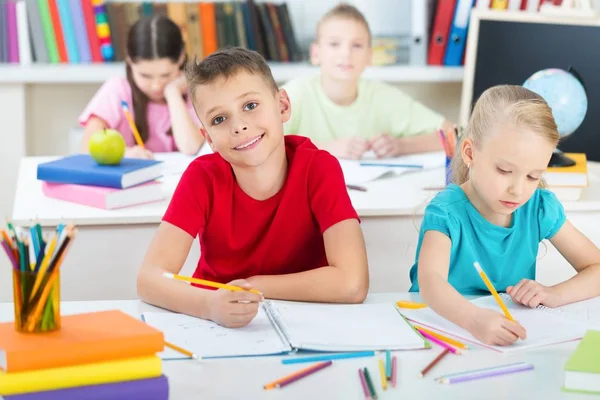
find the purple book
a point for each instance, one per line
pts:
(142, 389)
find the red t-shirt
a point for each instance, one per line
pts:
(242, 237)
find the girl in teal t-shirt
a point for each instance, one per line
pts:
(497, 213)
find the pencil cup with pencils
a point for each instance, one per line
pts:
(36, 261)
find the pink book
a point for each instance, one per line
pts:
(103, 197)
(13, 36)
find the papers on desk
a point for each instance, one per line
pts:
(355, 174)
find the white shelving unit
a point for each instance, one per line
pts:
(98, 73)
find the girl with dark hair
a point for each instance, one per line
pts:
(155, 90)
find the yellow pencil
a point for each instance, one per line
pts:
(136, 133)
(410, 304)
(443, 338)
(208, 283)
(382, 375)
(492, 290)
(181, 350)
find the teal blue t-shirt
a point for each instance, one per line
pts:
(506, 254)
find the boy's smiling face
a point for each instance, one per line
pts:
(242, 117)
(343, 49)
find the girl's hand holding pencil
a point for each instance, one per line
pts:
(494, 328)
(138, 152)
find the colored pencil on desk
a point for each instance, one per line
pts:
(382, 375)
(370, 384)
(439, 342)
(443, 338)
(273, 385)
(388, 364)
(136, 133)
(363, 383)
(492, 290)
(325, 357)
(433, 363)
(485, 373)
(181, 350)
(391, 165)
(208, 283)
(394, 370)
(410, 304)
(297, 377)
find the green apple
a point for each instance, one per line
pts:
(107, 147)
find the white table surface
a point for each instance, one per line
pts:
(244, 377)
(396, 195)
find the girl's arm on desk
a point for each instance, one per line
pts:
(345, 280)
(434, 264)
(583, 255)
(167, 253)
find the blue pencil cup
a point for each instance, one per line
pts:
(448, 170)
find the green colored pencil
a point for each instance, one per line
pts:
(370, 384)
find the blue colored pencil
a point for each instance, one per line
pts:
(327, 357)
(375, 164)
(388, 364)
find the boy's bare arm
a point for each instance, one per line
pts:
(344, 280)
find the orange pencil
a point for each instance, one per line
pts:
(443, 338)
(181, 350)
(136, 133)
(274, 384)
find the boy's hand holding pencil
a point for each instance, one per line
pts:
(234, 309)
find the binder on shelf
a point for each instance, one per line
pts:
(419, 39)
(440, 31)
(458, 33)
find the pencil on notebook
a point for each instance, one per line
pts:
(443, 338)
(208, 283)
(136, 133)
(181, 350)
(493, 291)
(439, 342)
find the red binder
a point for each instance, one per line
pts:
(90, 25)
(441, 29)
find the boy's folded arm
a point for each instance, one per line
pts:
(167, 253)
(434, 264)
(344, 280)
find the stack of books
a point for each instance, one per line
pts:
(79, 179)
(568, 182)
(102, 355)
(582, 370)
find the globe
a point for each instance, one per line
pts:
(566, 96)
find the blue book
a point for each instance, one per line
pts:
(81, 169)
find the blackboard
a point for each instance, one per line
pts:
(509, 52)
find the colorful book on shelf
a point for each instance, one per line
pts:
(83, 339)
(120, 370)
(105, 197)
(81, 169)
(139, 389)
(582, 370)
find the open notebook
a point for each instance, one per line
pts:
(545, 326)
(281, 327)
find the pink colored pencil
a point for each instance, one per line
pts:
(394, 371)
(294, 378)
(439, 342)
(363, 383)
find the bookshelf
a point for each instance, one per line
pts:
(98, 73)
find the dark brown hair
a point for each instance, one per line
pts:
(226, 63)
(151, 38)
(344, 11)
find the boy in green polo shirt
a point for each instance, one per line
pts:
(347, 115)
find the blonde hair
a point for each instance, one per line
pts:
(507, 105)
(344, 11)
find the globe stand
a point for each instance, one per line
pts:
(559, 159)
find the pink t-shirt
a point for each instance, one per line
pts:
(106, 105)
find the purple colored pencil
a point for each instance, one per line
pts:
(394, 371)
(486, 373)
(363, 383)
(304, 374)
(10, 254)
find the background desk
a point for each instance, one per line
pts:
(110, 246)
(244, 377)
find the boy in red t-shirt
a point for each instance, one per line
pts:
(272, 212)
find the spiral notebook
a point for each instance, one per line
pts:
(281, 327)
(544, 326)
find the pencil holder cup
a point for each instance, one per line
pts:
(448, 171)
(36, 297)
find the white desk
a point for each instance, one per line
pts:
(111, 243)
(244, 377)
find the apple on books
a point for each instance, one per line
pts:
(107, 147)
